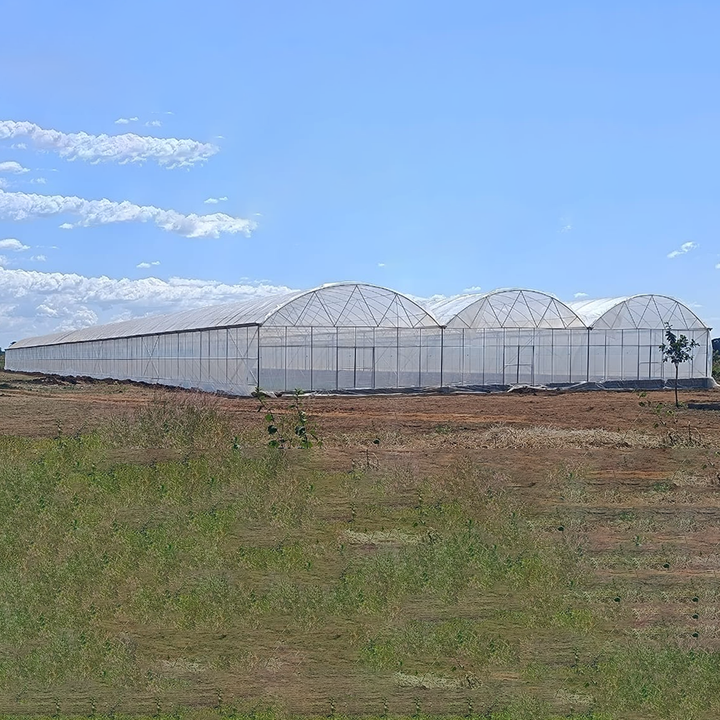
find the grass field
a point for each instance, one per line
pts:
(468, 556)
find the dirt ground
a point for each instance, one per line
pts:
(36, 406)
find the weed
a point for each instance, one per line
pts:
(293, 431)
(667, 419)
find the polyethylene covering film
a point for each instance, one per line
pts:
(506, 309)
(351, 335)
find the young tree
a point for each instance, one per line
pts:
(676, 349)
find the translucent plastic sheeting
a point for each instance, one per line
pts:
(649, 312)
(333, 305)
(506, 309)
(354, 336)
(236, 360)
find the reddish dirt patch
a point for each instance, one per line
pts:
(32, 407)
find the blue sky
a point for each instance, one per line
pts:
(429, 147)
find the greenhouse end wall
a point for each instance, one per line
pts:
(237, 360)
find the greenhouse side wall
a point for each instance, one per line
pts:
(627, 355)
(349, 358)
(236, 360)
(223, 359)
(485, 357)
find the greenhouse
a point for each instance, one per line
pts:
(340, 336)
(627, 333)
(356, 336)
(510, 337)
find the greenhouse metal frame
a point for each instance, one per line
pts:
(357, 336)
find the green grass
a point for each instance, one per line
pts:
(516, 711)
(158, 564)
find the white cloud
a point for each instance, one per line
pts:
(13, 244)
(145, 265)
(684, 248)
(35, 303)
(4, 183)
(153, 123)
(472, 289)
(580, 295)
(39, 181)
(215, 201)
(126, 148)
(38, 258)
(566, 228)
(717, 267)
(10, 166)
(381, 264)
(125, 121)
(24, 206)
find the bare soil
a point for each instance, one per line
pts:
(36, 405)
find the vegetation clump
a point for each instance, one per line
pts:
(293, 429)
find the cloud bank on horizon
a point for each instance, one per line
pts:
(36, 303)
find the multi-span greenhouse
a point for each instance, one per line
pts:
(348, 336)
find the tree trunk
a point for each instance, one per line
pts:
(677, 370)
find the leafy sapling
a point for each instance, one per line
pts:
(676, 349)
(284, 431)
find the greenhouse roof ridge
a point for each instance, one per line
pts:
(590, 309)
(357, 304)
(632, 311)
(472, 296)
(195, 319)
(506, 308)
(378, 306)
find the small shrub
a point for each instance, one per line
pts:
(293, 430)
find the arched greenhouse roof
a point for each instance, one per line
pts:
(343, 304)
(512, 308)
(350, 305)
(646, 312)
